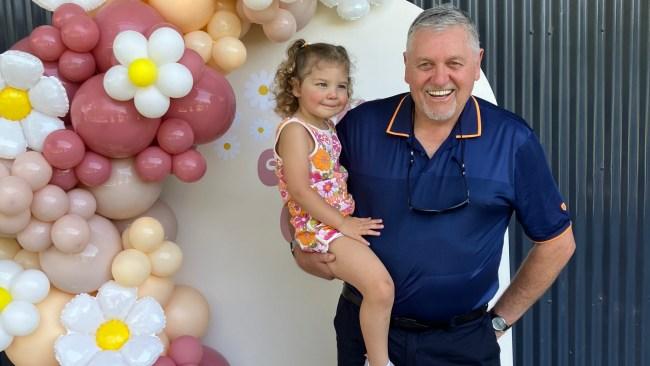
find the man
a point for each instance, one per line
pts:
(445, 171)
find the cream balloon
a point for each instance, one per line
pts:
(157, 287)
(125, 240)
(35, 237)
(159, 211)
(166, 260)
(146, 234)
(70, 234)
(50, 203)
(125, 195)
(183, 15)
(32, 167)
(27, 259)
(224, 23)
(82, 203)
(201, 42)
(131, 268)
(8, 248)
(11, 225)
(187, 313)
(228, 53)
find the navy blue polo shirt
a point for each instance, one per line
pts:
(445, 264)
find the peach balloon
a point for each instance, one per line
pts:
(82, 203)
(146, 234)
(50, 203)
(131, 268)
(187, 312)
(159, 211)
(125, 195)
(15, 195)
(157, 287)
(166, 260)
(224, 23)
(70, 234)
(229, 5)
(38, 347)
(32, 167)
(12, 225)
(27, 259)
(262, 16)
(125, 240)
(201, 42)
(228, 53)
(88, 270)
(8, 248)
(281, 28)
(188, 17)
(35, 237)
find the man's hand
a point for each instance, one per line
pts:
(315, 263)
(356, 227)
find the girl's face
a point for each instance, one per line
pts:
(323, 93)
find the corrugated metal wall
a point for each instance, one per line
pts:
(579, 72)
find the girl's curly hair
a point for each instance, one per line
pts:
(301, 58)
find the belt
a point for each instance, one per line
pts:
(352, 295)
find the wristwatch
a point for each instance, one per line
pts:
(498, 323)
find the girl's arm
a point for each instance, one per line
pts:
(294, 146)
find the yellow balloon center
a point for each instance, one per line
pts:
(143, 72)
(263, 90)
(112, 335)
(5, 298)
(14, 104)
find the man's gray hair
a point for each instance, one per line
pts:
(441, 17)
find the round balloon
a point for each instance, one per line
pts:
(63, 149)
(66, 179)
(46, 43)
(32, 167)
(188, 18)
(159, 211)
(187, 312)
(157, 287)
(212, 358)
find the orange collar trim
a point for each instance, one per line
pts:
(392, 119)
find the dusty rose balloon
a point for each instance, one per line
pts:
(82, 203)
(187, 312)
(153, 164)
(15, 195)
(27, 259)
(70, 234)
(262, 16)
(22, 350)
(159, 211)
(212, 358)
(52, 69)
(209, 108)
(302, 11)
(77, 67)
(93, 170)
(131, 268)
(45, 42)
(281, 28)
(88, 270)
(11, 225)
(35, 237)
(65, 12)
(112, 128)
(66, 179)
(189, 166)
(50, 203)
(164, 361)
(186, 350)
(80, 33)
(159, 288)
(175, 136)
(32, 167)
(125, 195)
(194, 62)
(118, 16)
(63, 149)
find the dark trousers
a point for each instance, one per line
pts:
(472, 343)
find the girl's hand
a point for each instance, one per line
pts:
(356, 227)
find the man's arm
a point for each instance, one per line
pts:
(537, 273)
(315, 263)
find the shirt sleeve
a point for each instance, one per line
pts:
(539, 206)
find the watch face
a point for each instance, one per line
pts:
(498, 323)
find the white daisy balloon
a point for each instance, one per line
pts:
(30, 104)
(51, 5)
(149, 72)
(19, 291)
(114, 328)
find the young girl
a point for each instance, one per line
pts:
(312, 86)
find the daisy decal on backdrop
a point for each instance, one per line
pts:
(114, 328)
(258, 91)
(261, 129)
(227, 146)
(19, 291)
(30, 104)
(149, 72)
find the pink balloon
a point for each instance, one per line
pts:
(164, 361)
(15, 195)
(23, 45)
(80, 33)
(66, 179)
(175, 136)
(46, 43)
(262, 16)
(153, 164)
(65, 12)
(212, 358)
(50, 203)
(189, 166)
(93, 170)
(280, 28)
(52, 69)
(77, 67)
(302, 11)
(209, 108)
(118, 16)
(112, 128)
(82, 203)
(186, 350)
(35, 237)
(266, 168)
(70, 233)
(32, 167)
(193, 61)
(63, 149)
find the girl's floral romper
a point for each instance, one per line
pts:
(327, 177)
